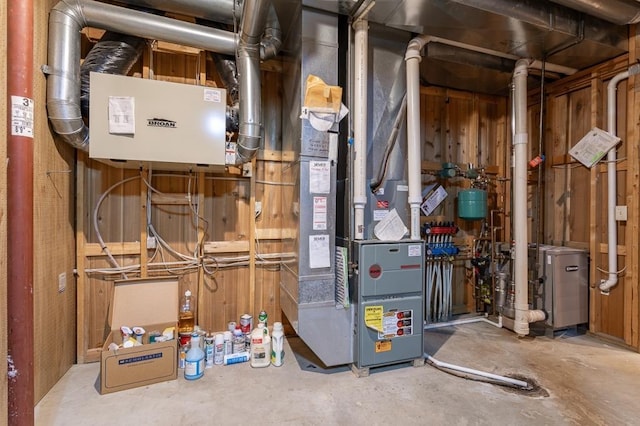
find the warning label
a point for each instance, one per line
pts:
(396, 324)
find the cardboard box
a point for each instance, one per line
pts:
(151, 303)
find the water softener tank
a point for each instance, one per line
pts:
(472, 204)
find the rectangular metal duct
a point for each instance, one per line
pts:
(308, 287)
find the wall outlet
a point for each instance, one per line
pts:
(621, 213)
(62, 282)
(258, 208)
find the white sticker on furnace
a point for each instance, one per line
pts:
(319, 213)
(319, 177)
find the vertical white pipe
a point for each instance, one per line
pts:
(414, 157)
(612, 183)
(361, 49)
(523, 316)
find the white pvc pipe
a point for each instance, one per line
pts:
(414, 143)
(523, 316)
(508, 380)
(464, 321)
(360, 106)
(612, 240)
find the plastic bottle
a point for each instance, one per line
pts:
(186, 319)
(194, 366)
(260, 347)
(219, 349)
(238, 340)
(277, 344)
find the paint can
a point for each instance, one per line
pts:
(246, 323)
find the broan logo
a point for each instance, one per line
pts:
(161, 122)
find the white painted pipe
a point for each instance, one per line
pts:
(464, 321)
(508, 380)
(523, 316)
(361, 48)
(612, 184)
(412, 59)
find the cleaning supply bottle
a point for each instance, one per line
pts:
(277, 344)
(194, 366)
(186, 319)
(260, 347)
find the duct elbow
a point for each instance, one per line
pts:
(270, 44)
(249, 141)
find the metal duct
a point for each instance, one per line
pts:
(114, 54)
(619, 12)
(248, 63)
(222, 11)
(67, 19)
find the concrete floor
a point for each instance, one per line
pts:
(584, 381)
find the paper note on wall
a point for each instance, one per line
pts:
(122, 115)
(319, 251)
(319, 177)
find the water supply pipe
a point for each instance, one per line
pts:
(523, 316)
(361, 52)
(19, 282)
(612, 187)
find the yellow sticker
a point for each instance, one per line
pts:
(384, 346)
(373, 317)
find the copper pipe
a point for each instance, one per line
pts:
(20, 219)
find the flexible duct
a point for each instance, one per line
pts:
(619, 12)
(248, 63)
(226, 67)
(612, 185)
(114, 54)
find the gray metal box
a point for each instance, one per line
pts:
(566, 283)
(389, 302)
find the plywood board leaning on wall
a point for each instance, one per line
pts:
(3, 228)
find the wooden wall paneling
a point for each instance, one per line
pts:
(82, 281)
(53, 229)
(252, 238)
(201, 228)
(632, 200)
(595, 197)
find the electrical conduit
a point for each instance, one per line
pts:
(612, 240)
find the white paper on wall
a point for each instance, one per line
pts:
(122, 115)
(319, 251)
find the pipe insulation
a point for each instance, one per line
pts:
(612, 184)
(361, 48)
(520, 144)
